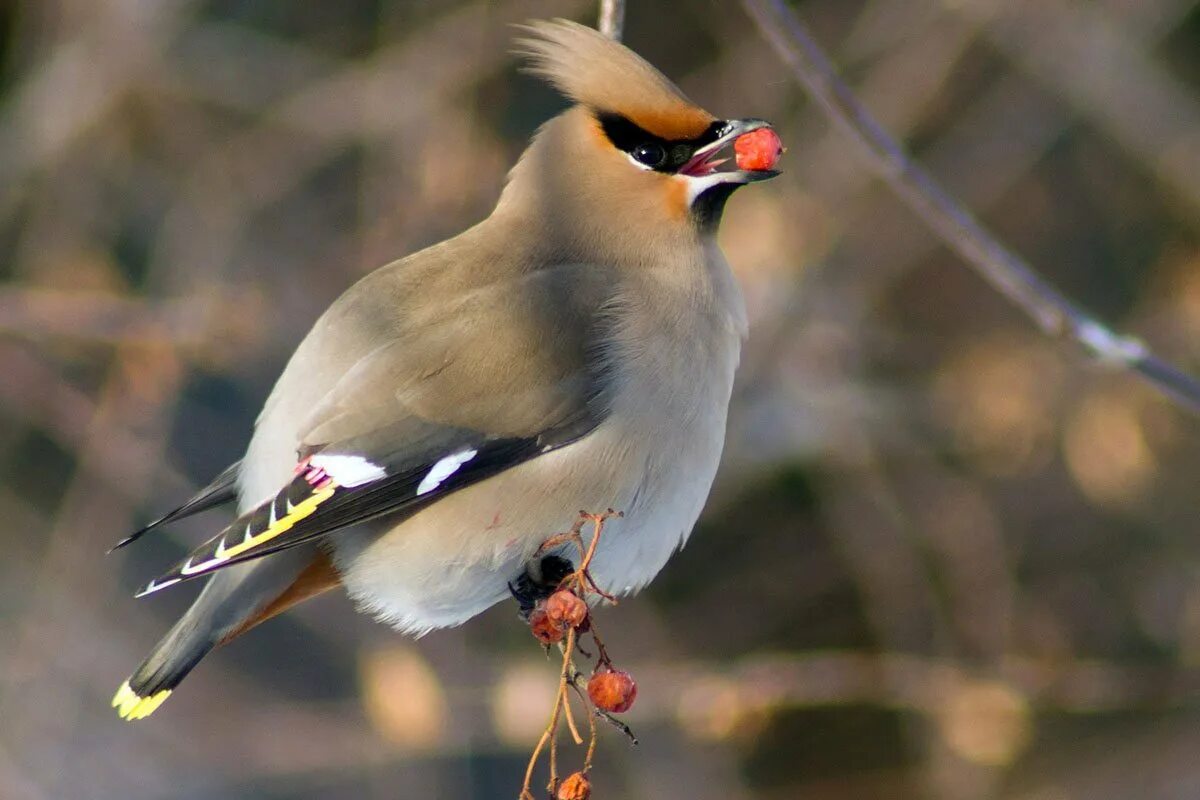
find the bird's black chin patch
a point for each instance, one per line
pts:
(709, 205)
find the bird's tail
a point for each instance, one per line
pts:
(166, 666)
(233, 601)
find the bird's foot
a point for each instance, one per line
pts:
(540, 579)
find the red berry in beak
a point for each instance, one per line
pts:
(758, 150)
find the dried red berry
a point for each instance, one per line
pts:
(544, 629)
(612, 690)
(565, 607)
(575, 787)
(757, 150)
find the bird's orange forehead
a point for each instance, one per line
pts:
(676, 122)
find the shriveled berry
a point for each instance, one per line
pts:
(757, 150)
(612, 690)
(544, 629)
(566, 608)
(575, 787)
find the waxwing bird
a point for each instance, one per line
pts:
(455, 409)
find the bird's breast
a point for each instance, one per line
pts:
(670, 416)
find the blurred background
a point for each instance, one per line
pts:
(945, 557)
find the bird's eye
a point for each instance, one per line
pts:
(652, 154)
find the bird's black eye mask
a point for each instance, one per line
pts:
(655, 152)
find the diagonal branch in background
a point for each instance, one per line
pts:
(1007, 272)
(612, 18)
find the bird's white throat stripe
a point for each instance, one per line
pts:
(699, 184)
(348, 471)
(444, 469)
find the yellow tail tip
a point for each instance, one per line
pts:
(130, 705)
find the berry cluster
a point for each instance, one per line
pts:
(561, 619)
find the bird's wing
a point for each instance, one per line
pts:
(408, 424)
(316, 503)
(222, 490)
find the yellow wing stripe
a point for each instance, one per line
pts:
(298, 512)
(130, 705)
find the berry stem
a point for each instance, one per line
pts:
(581, 584)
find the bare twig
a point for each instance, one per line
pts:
(571, 726)
(612, 18)
(1004, 270)
(549, 736)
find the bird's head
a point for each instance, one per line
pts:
(632, 154)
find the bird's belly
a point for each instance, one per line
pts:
(456, 558)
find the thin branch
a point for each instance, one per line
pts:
(579, 584)
(612, 18)
(1007, 272)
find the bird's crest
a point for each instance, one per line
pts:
(595, 71)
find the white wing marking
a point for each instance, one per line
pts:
(153, 587)
(444, 469)
(189, 568)
(348, 471)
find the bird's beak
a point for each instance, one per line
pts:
(704, 162)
